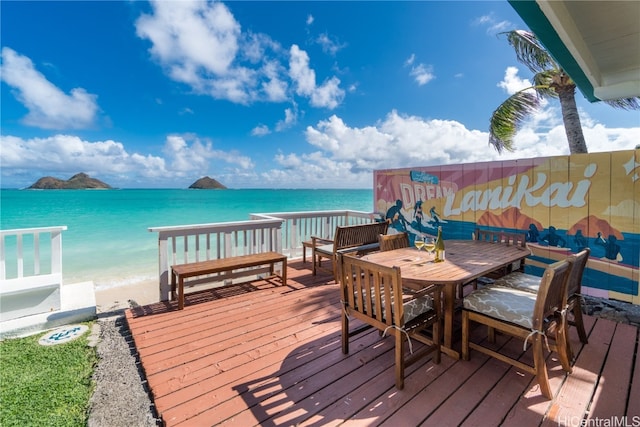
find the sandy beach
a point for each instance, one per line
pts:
(121, 297)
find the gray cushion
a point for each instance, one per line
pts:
(519, 280)
(504, 303)
(416, 306)
(325, 249)
(413, 307)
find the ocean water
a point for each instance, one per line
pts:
(107, 238)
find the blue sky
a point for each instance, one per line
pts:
(265, 94)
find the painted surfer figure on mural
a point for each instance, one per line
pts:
(418, 216)
(422, 224)
(552, 238)
(579, 241)
(611, 248)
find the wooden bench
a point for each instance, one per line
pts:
(183, 271)
(360, 239)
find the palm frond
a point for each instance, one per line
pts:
(508, 118)
(625, 103)
(542, 82)
(529, 51)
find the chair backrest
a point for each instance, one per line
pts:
(575, 278)
(348, 236)
(389, 242)
(370, 291)
(517, 239)
(552, 295)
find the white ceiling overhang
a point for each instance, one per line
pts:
(597, 43)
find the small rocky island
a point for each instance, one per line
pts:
(77, 182)
(207, 183)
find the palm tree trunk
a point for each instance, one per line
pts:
(571, 119)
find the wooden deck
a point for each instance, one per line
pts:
(264, 354)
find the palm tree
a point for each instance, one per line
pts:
(549, 81)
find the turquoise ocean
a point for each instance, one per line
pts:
(107, 238)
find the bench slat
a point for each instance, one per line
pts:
(180, 272)
(358, 238)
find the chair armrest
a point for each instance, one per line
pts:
(315, 240)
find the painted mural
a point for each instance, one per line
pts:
(563, 204)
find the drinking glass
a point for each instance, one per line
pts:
(418, 242)
(430, 244)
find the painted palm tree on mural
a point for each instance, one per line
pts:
(549, 82)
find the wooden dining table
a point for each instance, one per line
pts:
(466, 261)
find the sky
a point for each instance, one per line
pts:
(265, 94)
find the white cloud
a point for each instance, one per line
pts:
(328, 45)
(185, 156)
(49, 107)
(410, 60)
(274, 87)
(346, 156)
(422, 73)
(290, 119)
(341, 156)
(187, 36)
(260, 130)
(512, 83)
(188, 154)
(202, 45)
(303, 76)
(70, 154)
(493, 26)
(328, 95)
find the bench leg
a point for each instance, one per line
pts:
(180, 293)
(173, 286)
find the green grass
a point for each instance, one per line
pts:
(45, 385)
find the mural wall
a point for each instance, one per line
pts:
(563, 203)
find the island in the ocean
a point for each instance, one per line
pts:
(207, 183)
(79, 181)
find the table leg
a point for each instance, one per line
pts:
(284, 272)
(449, 312)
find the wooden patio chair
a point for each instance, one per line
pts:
(389, 242)
(497, 237)
(525, 315)
(531, 283)
(373, 294)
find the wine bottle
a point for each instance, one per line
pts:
(440, 256)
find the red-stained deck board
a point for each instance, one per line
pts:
(260, 353)
(610, 398)
(573, 400)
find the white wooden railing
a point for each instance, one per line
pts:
(28, 246)
(300, 226)
(282, 232)
(30, 271)
(200, 242)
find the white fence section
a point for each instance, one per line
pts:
(200, 242)
(281, 232)
(30, 271)
(298, 227)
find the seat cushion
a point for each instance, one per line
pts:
(519, 280)
(325, 249)
(503, 303)
(413, 307)
(416, 306)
